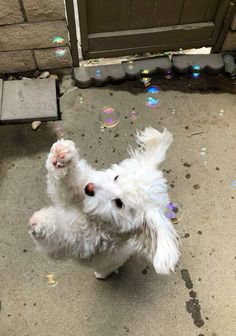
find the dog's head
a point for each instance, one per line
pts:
(133, 196)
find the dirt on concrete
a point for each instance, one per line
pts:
(200, 298)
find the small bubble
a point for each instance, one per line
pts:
(58, 40)
(109, 117)
(145, 77)
(152, 102)
(130, 65)
(133, 114)
(174, 212)
(60, 52)
(168, 74)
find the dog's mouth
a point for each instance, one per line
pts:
(89, 189)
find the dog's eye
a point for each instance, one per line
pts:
(116, 178)
(119, 203)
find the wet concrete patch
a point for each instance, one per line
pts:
(186, 278)
(193, 307)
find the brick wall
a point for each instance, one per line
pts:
(230, 39)
(27, 29)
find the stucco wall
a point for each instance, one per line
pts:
(27, 32)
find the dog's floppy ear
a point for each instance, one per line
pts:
(153, 145)
(164, 251)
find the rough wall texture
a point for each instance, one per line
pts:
(27, 29)
(230, 39)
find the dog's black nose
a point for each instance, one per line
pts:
(89, 189)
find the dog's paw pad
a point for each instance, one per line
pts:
(62, 152)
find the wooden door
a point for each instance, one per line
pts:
(122, 27)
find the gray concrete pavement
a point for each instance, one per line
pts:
(200, 298)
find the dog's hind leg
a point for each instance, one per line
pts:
(51, 235)
(108, 263)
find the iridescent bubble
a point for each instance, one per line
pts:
(203, 151)
(174, 212)
(196, 75)
(58, 129)
(60, 52)
(98, 72)
(58, 40)
(152, 102)
(196, 71)
(234, 184)
(145, 77)
(196, 67)
(133, 114)
(221, 113)
(153, 89)
(168, 74)
(109, 117)
(130, 65)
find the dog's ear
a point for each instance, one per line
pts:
(153, 145)
(163, 241)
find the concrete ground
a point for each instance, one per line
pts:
(200, 298)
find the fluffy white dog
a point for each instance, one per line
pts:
(104, 217)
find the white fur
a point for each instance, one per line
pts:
(91, 228)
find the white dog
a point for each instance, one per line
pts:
(104, 217)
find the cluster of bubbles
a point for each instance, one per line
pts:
(58, 41)
(174, 212)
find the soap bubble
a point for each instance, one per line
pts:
(58, 129)
(152, 102)
(145, 77)
(109, 117)
(196, 67)
(60, 52)
(153, 89)
(98, 72)
(168, 74)
(130, 65)
(58, 40)
(133, 114)
(174, 212)
(196, 71)
(234, 184)
(195, 75)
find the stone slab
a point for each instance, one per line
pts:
(33, 35)
(50, 59)
(28, 100)
(10, 12)
(212, 63)
(44, 10)
(230, 41)
(16, 61)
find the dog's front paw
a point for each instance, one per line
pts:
(62, 154)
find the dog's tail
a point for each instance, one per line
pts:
(154, 144)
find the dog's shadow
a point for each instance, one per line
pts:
(131, 292)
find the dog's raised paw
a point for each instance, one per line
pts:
(62, 152)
